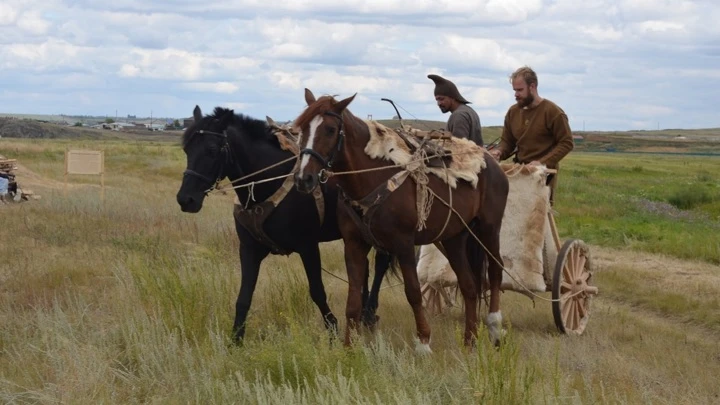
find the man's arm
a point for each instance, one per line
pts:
(507, 141)
(560, 128)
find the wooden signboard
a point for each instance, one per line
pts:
(86, 162)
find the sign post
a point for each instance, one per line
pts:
(90, 162)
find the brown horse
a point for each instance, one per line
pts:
(380, 211)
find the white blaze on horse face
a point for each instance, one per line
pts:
(314, 124)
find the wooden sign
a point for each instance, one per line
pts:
(86, 162)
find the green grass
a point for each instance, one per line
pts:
(663, 204)
(132, 301)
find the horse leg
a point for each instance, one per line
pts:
(456, 253)
(382, 264)
(311, 261)
(408, 266)
(365, 294)
(491, 240)
(251, 256)
(356, 262)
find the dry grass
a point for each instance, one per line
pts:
(131, 302)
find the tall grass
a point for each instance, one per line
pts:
(664, 204)
(131, 301)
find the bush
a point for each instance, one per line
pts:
(690, 198)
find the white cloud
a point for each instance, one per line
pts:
(609, 63)
(216, 87)
(8, 14)
(602, 34)
(32, 23)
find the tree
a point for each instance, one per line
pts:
(109, 120)
(176, 124)
(78, 124)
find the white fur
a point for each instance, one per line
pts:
(524, 228)
(433, 268)
(422, 348)
(314, 124)
(494, 324)
(466, 165)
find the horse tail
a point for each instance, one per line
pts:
(387, 264)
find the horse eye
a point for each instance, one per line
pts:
(330, 131)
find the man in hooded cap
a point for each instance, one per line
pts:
(464, 121)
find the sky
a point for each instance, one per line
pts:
(609, 64)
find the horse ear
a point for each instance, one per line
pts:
(270, 121)
(309, 96)
(197, 114)
(342, 105)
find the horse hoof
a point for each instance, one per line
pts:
(494, 324)
(422, 349)
(371, 322)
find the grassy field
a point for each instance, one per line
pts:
(131, 301)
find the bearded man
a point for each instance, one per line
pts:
(536, 130)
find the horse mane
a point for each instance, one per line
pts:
(320, 106)
(251, 127)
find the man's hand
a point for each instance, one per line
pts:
(495, 153)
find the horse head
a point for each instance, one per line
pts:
(208, 153)
(321, 138)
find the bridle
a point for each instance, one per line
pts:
(224, 149)
(327, 163)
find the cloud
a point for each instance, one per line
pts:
(611, 64)
(217, 87)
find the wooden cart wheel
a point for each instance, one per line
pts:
(571, 287)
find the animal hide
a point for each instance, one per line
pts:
(525, 228)
(286, 135)
(468, 159)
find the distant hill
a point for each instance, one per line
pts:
(28, 128)
(694, 141)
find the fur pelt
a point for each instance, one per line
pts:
(524, 231)
(468, 159)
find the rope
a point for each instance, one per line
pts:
(251, 184)
(497, 261)
(431, 192)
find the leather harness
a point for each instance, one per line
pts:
(253, 217)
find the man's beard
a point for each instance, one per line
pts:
(444, 109)
(526, 101)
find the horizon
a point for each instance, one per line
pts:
(125, 118)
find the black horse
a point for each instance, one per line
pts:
(271, 217)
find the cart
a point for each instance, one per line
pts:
(535, 260)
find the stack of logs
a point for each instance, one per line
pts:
(16, 192)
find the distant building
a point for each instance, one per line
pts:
(187, 122)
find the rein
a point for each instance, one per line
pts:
(327, 163)
(225, 150)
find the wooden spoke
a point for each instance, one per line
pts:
(570, 291)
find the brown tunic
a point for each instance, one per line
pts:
(540, 133)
